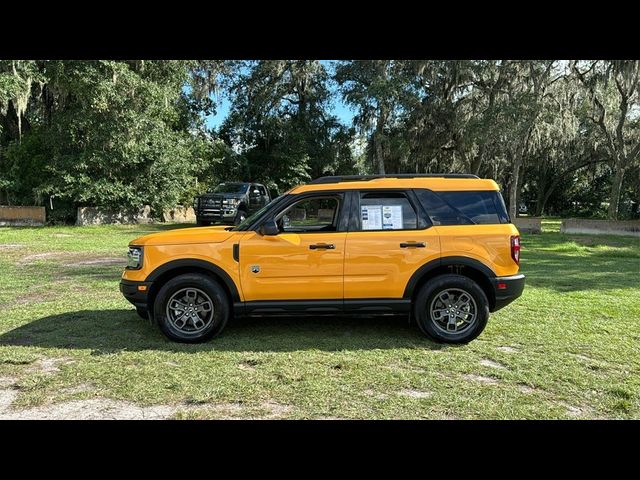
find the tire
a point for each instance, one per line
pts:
(202, 223)
(181, 289)
(142, 313)
(434, 316)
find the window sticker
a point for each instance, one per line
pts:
(392, 217)
(381, 217)
(371, 216)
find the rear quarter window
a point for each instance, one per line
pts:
(464, 207)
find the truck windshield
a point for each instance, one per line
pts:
(231, 188)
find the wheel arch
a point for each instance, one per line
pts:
(169, 270)
(468, 267)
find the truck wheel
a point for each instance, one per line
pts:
(240, 217)
(142, 313)
(451, 309)
(202, 223)
(191, 308)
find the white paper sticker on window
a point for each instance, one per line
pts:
(381, 217)
(392, 217)
(371, 217)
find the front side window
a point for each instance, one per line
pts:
(259, 214)
(317, 214)
(386, 211)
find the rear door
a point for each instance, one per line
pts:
(389, 238)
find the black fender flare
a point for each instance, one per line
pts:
(201, 264)
(441, 262)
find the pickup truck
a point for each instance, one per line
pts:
(230, 202)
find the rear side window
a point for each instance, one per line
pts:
(464, 208)
(386, 211)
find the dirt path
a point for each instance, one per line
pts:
(107, 409)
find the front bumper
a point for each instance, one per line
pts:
(506, 290)
(217, 214)
(132, 292)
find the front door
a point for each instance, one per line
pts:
(390, 240)
(304, 261)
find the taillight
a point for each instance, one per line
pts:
(515, 248)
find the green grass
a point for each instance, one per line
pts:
(567, 349)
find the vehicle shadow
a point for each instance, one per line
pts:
(111, 331)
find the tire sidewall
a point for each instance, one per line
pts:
(433, 287)
(210, 287)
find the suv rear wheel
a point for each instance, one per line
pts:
(191, 308)
(451, 309)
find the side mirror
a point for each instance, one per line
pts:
(255, 193)
(269, 228)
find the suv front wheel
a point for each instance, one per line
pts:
(191, 308)
(451, 309)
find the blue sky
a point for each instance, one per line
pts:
(340, 110)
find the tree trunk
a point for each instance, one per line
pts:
(514, 188)
(616, 190)
(545, 198)
(541, 197)
(519, 183)
(476, 163)
(379, 153)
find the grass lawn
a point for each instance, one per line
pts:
(70, 345)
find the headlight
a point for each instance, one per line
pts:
(230, 201)
(134, 258)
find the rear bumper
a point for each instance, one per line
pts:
(133, 294)
(506, 290)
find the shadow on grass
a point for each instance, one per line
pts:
(110, 331)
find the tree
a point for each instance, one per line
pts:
(106, 133)
(376, 88)
(613, 89)
(280, 126)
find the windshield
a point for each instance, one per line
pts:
(231, 188)
(249, 220)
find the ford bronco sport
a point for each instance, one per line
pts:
(439, 248)
(230, 202)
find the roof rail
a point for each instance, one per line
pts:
(356, 178)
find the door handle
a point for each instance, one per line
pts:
(413, 245)
(323, 246)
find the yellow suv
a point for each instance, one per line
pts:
(438, 247)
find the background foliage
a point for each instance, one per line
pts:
(560, 137)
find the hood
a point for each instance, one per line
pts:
(184, 236)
